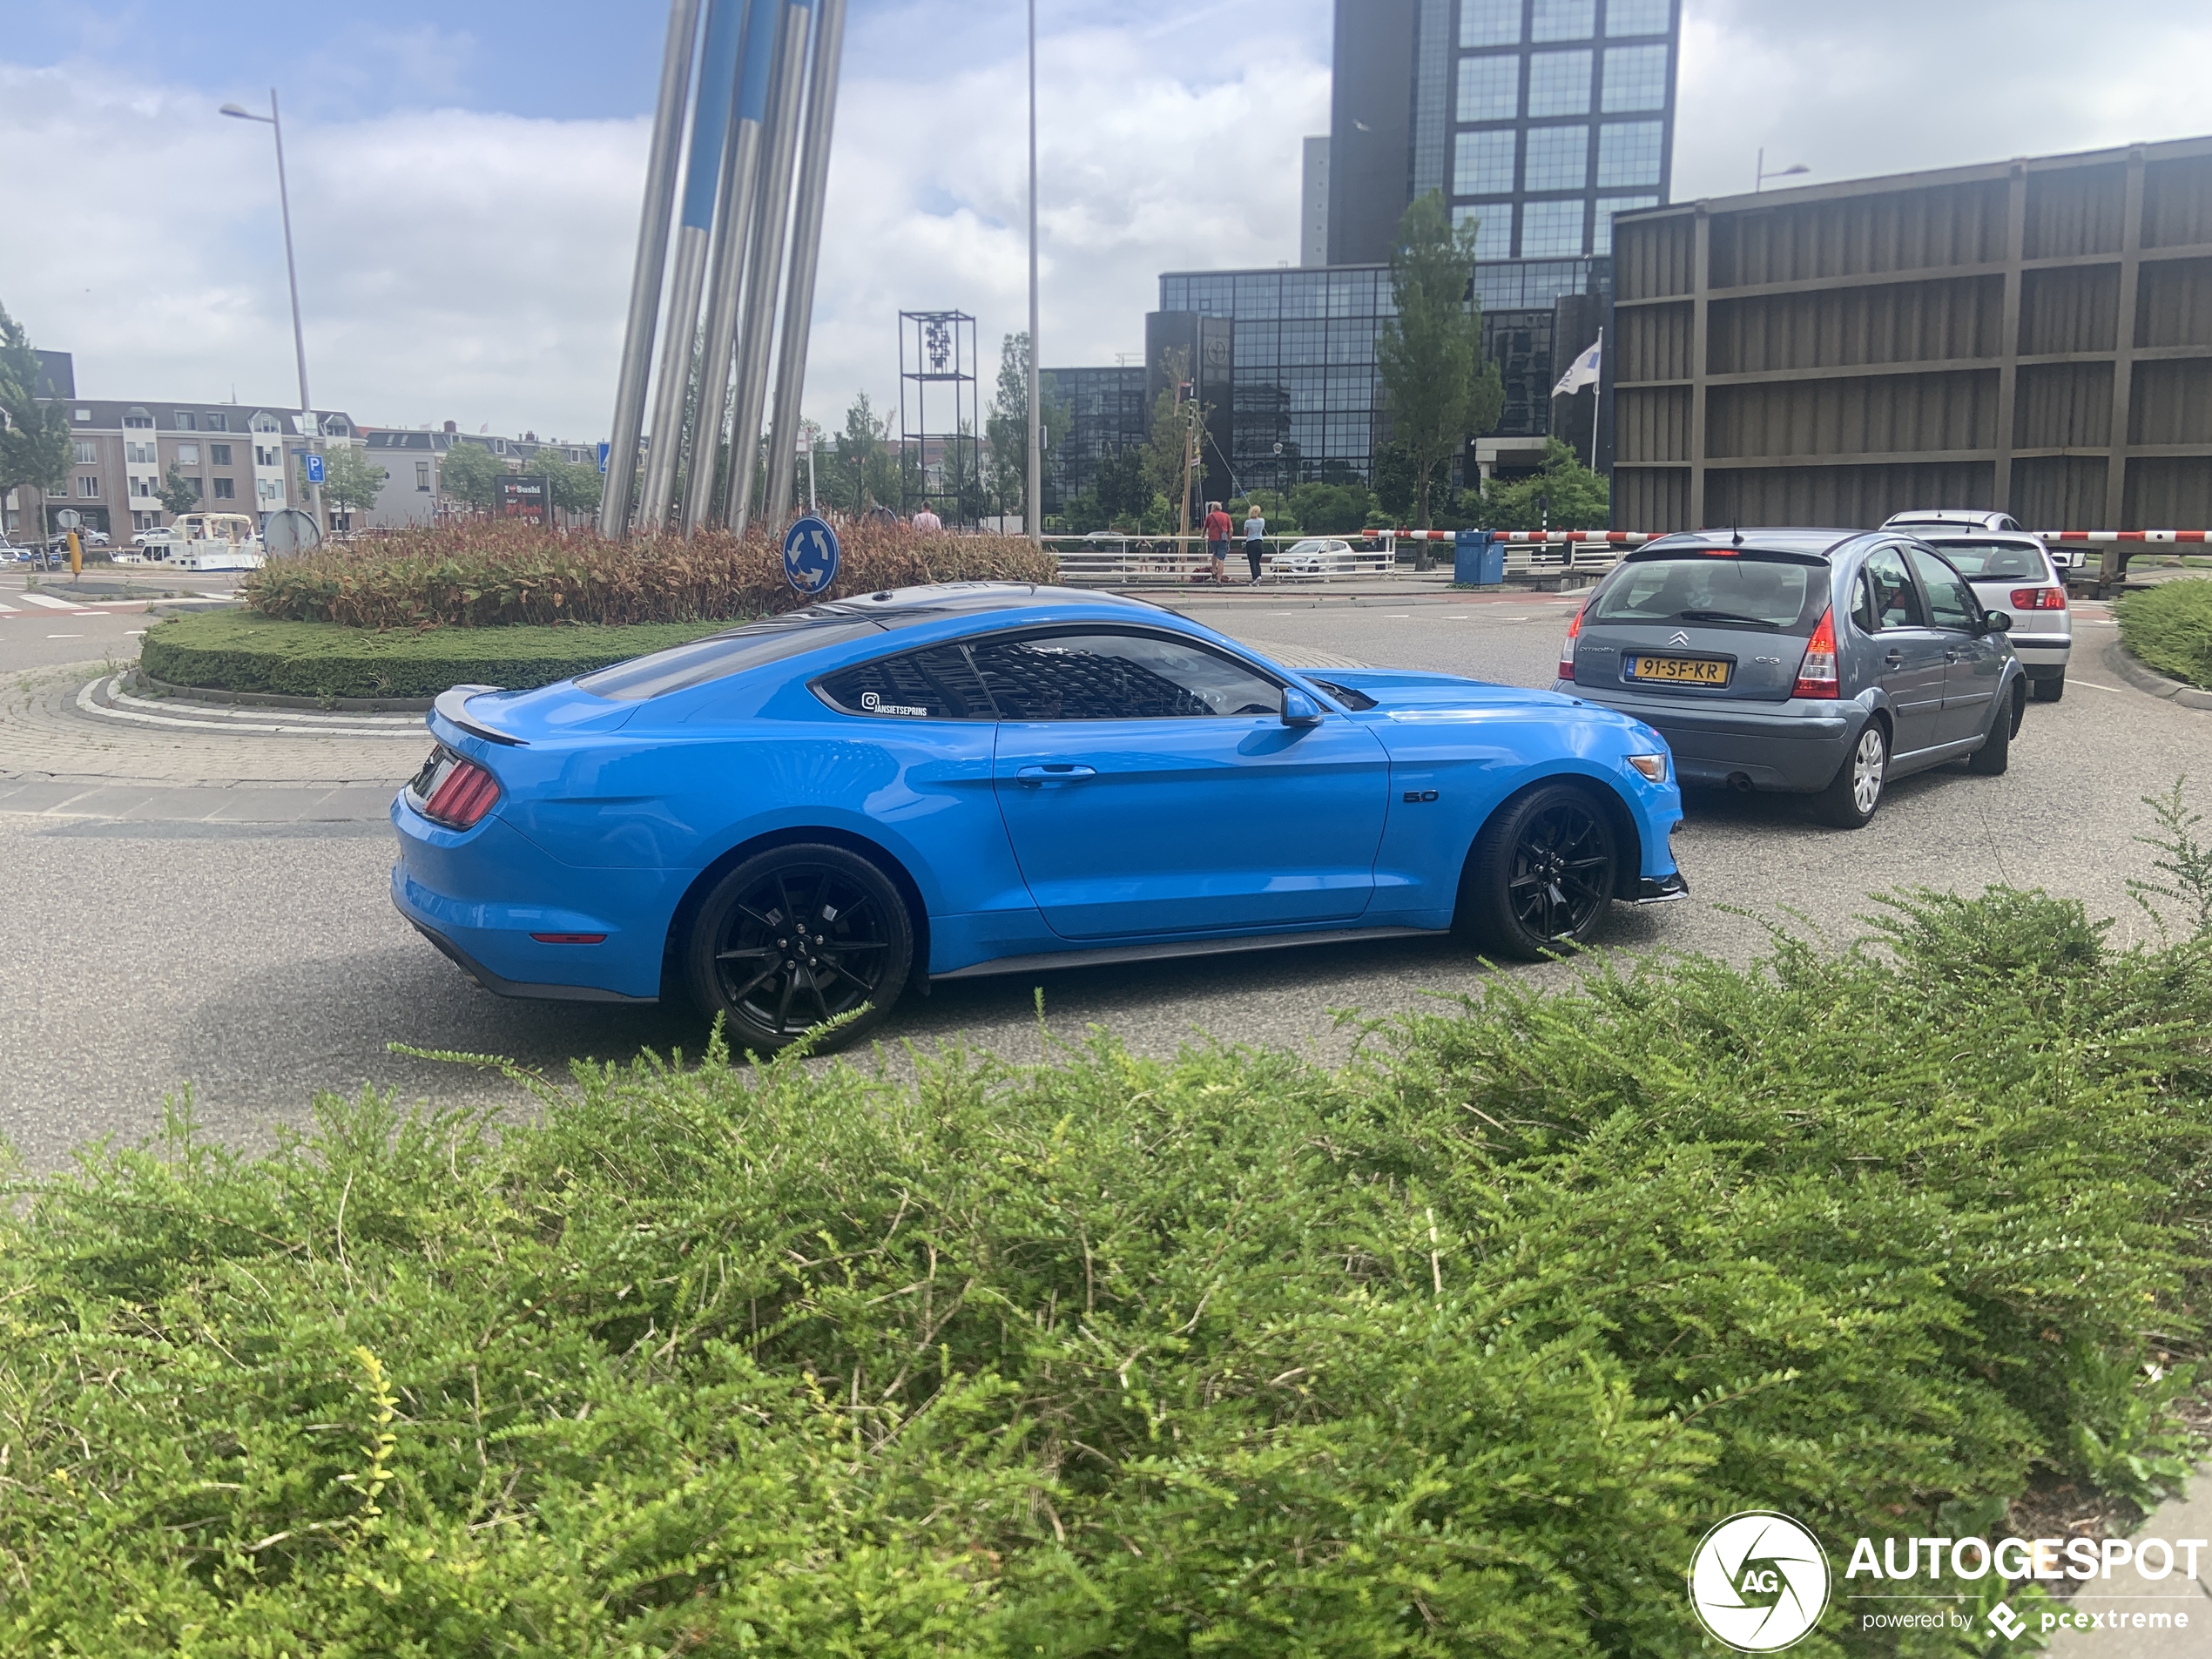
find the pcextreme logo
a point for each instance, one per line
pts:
(1758, 1582)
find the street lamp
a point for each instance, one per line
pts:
(1789, 171)
(272, 121)
(1033, 480)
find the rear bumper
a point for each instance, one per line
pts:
(1792, 747)
(490, 981)
(2042, 656)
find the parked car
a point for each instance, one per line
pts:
(2013, 573)
(1822, 661)
(797, 818)
(1314, 556)
(160, 535)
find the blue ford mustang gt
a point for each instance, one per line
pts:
(805, 816)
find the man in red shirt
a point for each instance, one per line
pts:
(1218, 528)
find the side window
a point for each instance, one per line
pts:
(1893, 600)
(1951, 602)
(1117, 676)
(1862, 602)
(938, 683)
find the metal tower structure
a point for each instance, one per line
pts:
(940, 466)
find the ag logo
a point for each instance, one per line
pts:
(1758, 1582)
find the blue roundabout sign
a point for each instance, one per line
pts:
(810, 554)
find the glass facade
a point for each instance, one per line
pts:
(1561, 115)
(1106, 409)
(1305, 392)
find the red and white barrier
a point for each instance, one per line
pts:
(2124, 535)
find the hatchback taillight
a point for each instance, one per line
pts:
(463, 797)
(2039, 599)
(1566, 649)
(1817, 674)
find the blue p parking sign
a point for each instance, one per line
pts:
(810, 554)
(315, 469)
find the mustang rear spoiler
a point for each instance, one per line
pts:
(451, 704)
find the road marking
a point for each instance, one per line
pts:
(127, 633)
(64, 636)
(51, 605)
(2094, 686)
(1398, 616)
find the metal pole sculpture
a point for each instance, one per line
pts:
(1034, 476)
(764, 278)
(733, 216)
(645, 277)
(805, 253)
(702, 170)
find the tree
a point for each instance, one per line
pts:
(1006, 429)
(34, 436)
(471, 473)
(1394, 480)
(1573, 497)
(179, 494)
(866, 472)
(571, 486)
(1124, 492)
(1176, 422)
(1441, 390)
(350, 479)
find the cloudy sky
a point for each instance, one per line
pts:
(466, 182)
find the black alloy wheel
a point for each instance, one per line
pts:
(1542, 874)
(794, 937)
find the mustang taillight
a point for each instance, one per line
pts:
(2039, 599)
(1817, 674)
(1567, 649)
(464, 796)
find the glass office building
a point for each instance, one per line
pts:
(1538, 119)
(1306, 395)
(1107, 412)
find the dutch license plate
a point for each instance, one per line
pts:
(1679, 670)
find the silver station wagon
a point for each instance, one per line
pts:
(1818, 662)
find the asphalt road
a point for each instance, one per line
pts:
(256, 963)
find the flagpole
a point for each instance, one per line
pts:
(1597, 395)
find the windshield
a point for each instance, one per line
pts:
(1995, 561)
(771, 639)
(1745, 590)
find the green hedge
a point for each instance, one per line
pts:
(233, 650)
(2170, 628)
(1455, 1353)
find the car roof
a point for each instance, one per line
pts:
(1818, 541)
(1975, 518)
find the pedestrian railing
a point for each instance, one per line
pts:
(1138, 559)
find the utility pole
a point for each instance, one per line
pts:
(274, 122)
(1033, 481)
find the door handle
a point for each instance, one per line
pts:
(1057, 772)
(1895, 658)
(1952, 656)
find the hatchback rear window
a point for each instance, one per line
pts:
(1744, 590)
(1993, 561)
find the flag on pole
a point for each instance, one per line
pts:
(1583, 371)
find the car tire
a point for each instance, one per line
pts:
(1541, 876)
(2051, 690)
(771, 983)
(1854, 795)
(1996, 753)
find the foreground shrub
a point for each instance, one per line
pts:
(234, 651)
(483, 573)
(1455, 1353)
(2170, 628)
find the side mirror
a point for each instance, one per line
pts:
(1997, 622)
(1298, 709)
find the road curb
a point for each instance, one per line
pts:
(2120, 662)
(136, 678)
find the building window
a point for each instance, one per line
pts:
(1489, 23)
(139, 419)
(186, 421)
(1490, 87)
(225, 489)
(88, 487)
(422, 472)
(218, 455)
(1628, 153)
(84, 414)
(1558, 83)
(267, 454)
(1563, 20)
(137, 454)
(218, 423)
(1608, 205)
(1493, 228)
(188, 454)
(266, 422)
(1635, 78)
(1551, 230)
(1635, 17)
(1482, 163)
(144, 521)
(1559, 158)
(87, 454)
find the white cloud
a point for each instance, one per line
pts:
(476, 266)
